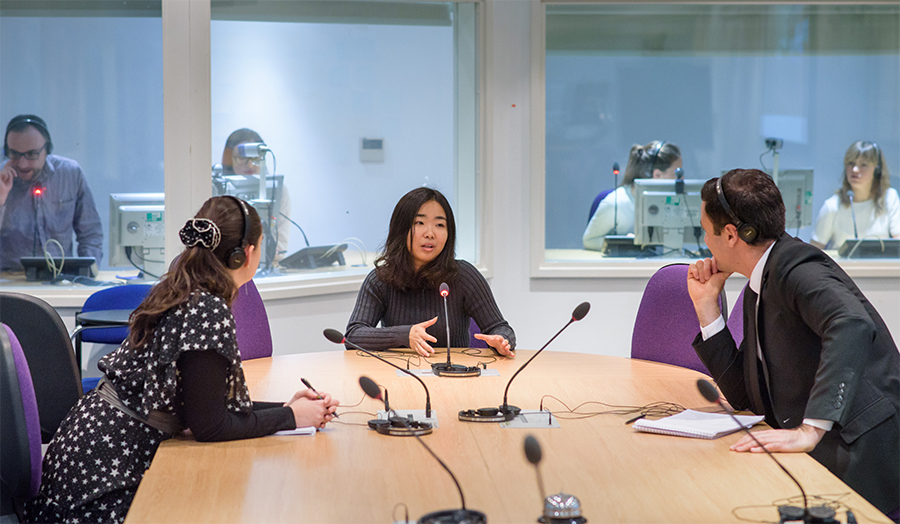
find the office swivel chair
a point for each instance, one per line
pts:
(666, 322)
(20, 430)
(251, 324)
(117, 297)
(51, 359)
(736, 319)
(596, 203)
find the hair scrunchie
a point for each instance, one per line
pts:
(200, 231)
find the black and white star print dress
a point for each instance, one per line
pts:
(99, 454)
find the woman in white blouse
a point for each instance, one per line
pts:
(866, 185)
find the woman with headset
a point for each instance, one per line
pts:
(179, 370)
(866, 186)
(615, 213)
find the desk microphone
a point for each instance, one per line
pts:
(446, 369)
(679, 181)
(505, 411)
(852, 214)
(786, 513)
(444, 516)
(338, 338)
(560, 508)
(615, 198)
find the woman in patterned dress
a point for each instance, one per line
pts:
(179, 369)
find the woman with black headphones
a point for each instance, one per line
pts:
(615, 213)
(178, 371)
(866, 186)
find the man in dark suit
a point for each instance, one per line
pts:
(816, 359)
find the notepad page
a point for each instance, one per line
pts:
(696, 424)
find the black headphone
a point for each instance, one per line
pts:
(747, 232)
(236, 256)
(877, 173)
(655, 155)
(34, 121)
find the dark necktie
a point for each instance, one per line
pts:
(751, 360)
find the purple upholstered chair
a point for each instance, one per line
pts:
(20, 426)
(736, 319)
(666, 323)
(251, 323)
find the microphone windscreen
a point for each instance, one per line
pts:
(708, 391)
(532, 450)
(370, 387)
(850, 195)
(616, 167)
(334, 335)
(445, 289)
(581, 311)
(679, 173)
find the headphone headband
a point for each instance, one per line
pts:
(236, 257)
(748, 232)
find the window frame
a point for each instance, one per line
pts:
(540, 266)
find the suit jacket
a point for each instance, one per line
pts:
(829, 356)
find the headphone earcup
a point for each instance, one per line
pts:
(748, 233)
(236, 258)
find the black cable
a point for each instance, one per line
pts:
(298, 227)
(654, 409)
(139, 268)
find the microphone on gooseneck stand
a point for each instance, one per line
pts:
(444, 516)
(786, 513)
(560, 508)
(615, 199)
(505, 411)
(852, 214)
(679, 181)
(447, 369)
(391, 426)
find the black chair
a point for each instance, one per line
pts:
(48, 349)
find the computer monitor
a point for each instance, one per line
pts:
(137, 231)
(796, 186)
(667, 213)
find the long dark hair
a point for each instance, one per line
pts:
(197, 268)
(395, 265)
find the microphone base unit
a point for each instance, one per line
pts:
(455, 370)
(398, 427)
(454, 516)
(565, 520)
(815, 514)
(501, 414)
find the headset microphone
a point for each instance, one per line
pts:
(447, 516)
(786, 513)
(505, 411)
(391, 426)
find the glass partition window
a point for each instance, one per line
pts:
(356, 103)
(774, 87)
(94, 77)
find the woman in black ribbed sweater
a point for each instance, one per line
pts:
(401, 293)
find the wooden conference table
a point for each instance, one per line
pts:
(348, 473)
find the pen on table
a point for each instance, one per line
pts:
(635, 419)
(309, 386)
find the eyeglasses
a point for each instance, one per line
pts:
(240, 160)
(34, 154)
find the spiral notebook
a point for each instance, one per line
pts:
(696, 424)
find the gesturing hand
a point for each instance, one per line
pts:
(419, 338)
(497, 342)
